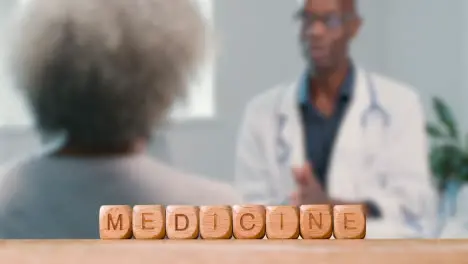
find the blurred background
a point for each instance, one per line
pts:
(423, 43)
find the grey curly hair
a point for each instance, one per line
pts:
(106, 72)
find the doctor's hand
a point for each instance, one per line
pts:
(309, 190)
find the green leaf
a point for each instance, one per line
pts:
(466, 143)
(434, 131)
(438, 165)
(447, 161)
(444, 114)
(464, 168)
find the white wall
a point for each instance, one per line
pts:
(12, 110)
(464, 56)
(422, 43)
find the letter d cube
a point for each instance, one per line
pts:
(182, 222)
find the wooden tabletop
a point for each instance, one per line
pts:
(235, 251)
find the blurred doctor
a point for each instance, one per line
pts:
(338, 135)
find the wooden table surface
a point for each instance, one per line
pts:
(235, 251)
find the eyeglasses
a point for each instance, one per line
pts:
(331, 21)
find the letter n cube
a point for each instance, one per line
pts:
(316, 221)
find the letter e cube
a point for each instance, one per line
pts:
(149, 222)
(349, 222)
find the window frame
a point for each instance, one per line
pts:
(200, 100)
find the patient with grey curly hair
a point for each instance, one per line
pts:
(103, 74)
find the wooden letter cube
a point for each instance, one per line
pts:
(282, 222)
(316, 221)
(149, 222)
(215, 222)
(115, 222)
(349, 222)
(249, 221)
(182, 222)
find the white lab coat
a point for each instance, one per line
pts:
(402, 156)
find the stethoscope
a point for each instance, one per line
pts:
(374, 117)
(371, 116)
(373, 110)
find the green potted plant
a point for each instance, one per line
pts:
(448, 154)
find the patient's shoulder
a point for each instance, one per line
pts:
(12, 174)
(151, 179)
